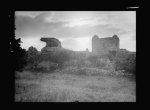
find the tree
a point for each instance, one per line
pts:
(17, 54)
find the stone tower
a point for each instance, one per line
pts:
(102, 46)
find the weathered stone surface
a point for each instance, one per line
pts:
(51, 44)
(101, 46)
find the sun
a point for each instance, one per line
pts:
(83, 43)
(78, 22)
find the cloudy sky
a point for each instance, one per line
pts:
(75, 28)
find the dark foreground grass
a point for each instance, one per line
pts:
(65, 87)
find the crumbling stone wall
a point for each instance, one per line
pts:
(101, 46)
(51, 44)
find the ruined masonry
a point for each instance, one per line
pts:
(51, 44)
(102, 46)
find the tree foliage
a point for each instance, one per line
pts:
(17, 54)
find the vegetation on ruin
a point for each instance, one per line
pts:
(59, 60)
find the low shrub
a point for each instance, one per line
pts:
(111, 56)
(126, 61)
(33, 58)
(101, 63)
(59, 56)
(105, 63)
(88, 63)
(130, 65)
(92, 58)
(47, 66)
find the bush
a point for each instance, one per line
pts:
(88, 63)
(131, 63)
(92, 58)
(111, 57)
(71, 63)
(101, 63)
(33, 57)
(59, 57)
(48, 66)
(81, 63)
(105, 63)
(125, 61)
(62, 57)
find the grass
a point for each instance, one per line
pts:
(66, 87)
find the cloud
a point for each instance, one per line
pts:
(27, 26)
(31, 14)
(85, 22)
(69, 26)
(77, 18)
(128, 41)
(124, 20)
(128, 44)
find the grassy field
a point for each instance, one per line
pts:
(64, 87)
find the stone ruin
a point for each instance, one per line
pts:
(51, 44)
(102, 46)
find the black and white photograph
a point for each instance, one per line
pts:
(74, 56)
